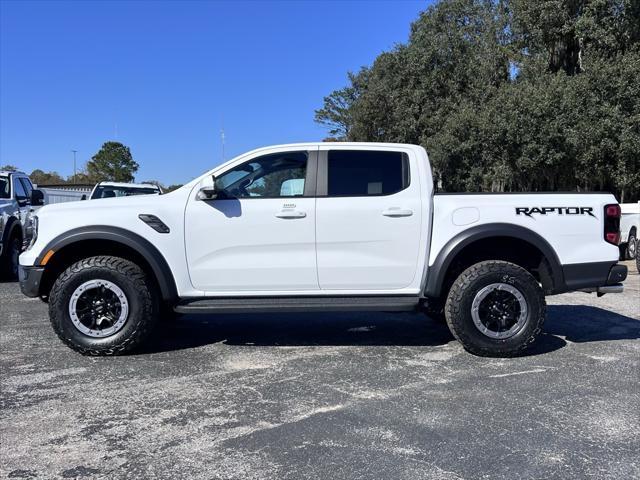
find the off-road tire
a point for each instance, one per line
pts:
(464, 290)
(141, 297)
(632, 246)
(10, 258)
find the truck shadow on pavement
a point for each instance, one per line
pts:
(301, 329)
(565, 324)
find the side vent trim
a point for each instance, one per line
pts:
(154, 222)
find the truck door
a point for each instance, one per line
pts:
(368, 219)
(258, 235)
(22, 193)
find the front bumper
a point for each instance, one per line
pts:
(30, 278)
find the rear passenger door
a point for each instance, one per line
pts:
(368, 219)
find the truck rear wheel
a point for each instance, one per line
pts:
(632, 245)
(495, 309)
(103, 306)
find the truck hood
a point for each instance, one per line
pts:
(103, 204)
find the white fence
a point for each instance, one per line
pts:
(61, 195)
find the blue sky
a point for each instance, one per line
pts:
(162, 76)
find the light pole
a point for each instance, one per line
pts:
(74, 165)
(222, 135)
(222, 141)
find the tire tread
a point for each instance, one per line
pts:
(462, 286)
(118, 265)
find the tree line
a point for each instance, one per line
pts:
(113, 162)
(508, 95)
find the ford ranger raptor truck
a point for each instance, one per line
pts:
(320, 226)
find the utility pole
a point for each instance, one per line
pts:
(74, 165)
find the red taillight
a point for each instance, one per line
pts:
(612, 214)
(612, 211)
(612, 238)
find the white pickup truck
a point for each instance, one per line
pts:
(629, 229)
(320, 226)
(118, 189)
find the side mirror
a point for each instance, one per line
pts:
(83, 197)
(208, 192)
(37, 198)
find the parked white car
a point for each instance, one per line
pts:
(629, 228)
(118, 189)
(18, 201)
(320, 226)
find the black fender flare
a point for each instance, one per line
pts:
(438, 271)
(146, 249)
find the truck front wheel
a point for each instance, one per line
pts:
(495, 309)
(10, 257)
(103, 306)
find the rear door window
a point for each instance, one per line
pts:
(5, 189)
(357, 173)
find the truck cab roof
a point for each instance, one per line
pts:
(6, 173)
(128, 185)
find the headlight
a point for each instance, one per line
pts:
(34, 226)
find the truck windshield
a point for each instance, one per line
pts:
(4, 187)
(107, 191)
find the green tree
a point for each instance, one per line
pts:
(82, 177)
(113, 162)
(41, 177)
(336, 114)
(508, 95)
(9, 168)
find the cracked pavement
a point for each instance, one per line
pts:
(305, 396)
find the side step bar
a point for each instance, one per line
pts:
(298, 304)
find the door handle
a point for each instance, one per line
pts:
(397, 212)
(291, 214)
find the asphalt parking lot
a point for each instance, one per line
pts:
(297, 396)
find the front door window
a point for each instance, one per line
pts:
(270, 176)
